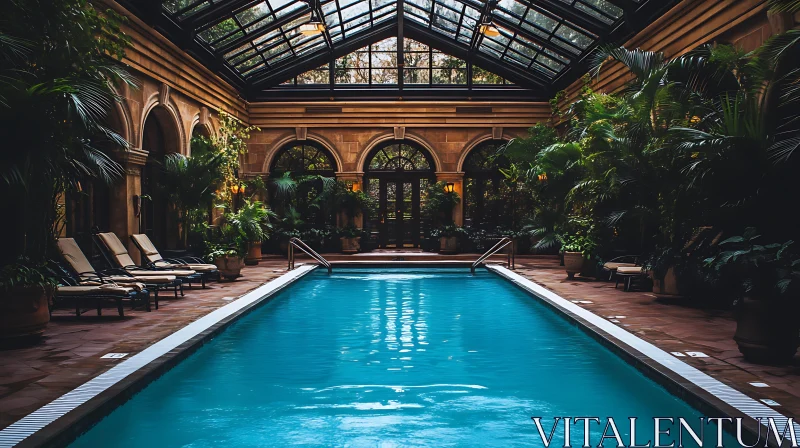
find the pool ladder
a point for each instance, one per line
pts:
(495, 249)
(298, 243)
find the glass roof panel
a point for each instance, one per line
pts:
(537, 38)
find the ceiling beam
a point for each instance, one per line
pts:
(264, 30)
(293, 67)
(570, 14)
(216, 13)
(442, 43)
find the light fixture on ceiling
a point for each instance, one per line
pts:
(487, 28)
(313, 26)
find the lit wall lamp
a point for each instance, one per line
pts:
(449, 187)
(543, 177)
(355, 186)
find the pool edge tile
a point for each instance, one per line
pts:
(650, 359)
(66, 417)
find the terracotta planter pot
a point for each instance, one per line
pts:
(230, 267)
(573, 263)
(668, 286)
(350, 245)
(766, 332)
(253, 254)
(24, 312)
(448, 245)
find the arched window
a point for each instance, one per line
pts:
(400, 157)
(303, 158)
(487, 198)
(397, 175)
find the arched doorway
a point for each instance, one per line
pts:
(304, 161)
(487, 198)
(397, 175)
(160, 137)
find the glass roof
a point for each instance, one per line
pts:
(538, 39)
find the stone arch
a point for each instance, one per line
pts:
(166, 113)
(196, 127)
(290, 137)
(472, 144)
(389, 135)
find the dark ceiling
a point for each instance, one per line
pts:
(256, 45)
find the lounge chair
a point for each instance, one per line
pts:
(100, 291)
(611, 266)
(87, 274)
(155, 260)
(629, 274)
(117, 255)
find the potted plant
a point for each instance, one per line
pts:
(227, 248)
(765, 279)
(290, 228)
(25, 293)
(578, 244)
(448, 238)
(58, 82)
(229, 260)
(350, 237)
(253, 222)
(662, 268)
(352, 206)
(442, 200)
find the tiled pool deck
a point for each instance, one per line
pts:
(71, 351)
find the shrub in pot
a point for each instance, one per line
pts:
(25, 293)
(577, 250)
(350, 237)
(252, 222)
(439, 209)
(765, 279)
(448, 238)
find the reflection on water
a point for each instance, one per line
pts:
(387, 358)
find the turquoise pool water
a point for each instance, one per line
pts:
(389, 358)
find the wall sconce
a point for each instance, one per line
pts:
(543, 177)
(449, 187)
(235, 188)
(355, 186)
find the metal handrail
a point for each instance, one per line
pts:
(298, 243)
(495, 249)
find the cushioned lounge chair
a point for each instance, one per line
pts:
(155, 260)
(117, 255)
(87, 274)
(97, 292)
(629, 274)
(627, 261)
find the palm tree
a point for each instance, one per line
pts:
(189, 183)
(56, 92)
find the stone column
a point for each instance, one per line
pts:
(124, 214)
(457, 179)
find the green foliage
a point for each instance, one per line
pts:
(25, 273)
(449, 231)
(791, 6)
(58, 68)
(190, 184)
(760, 271)
(523, 151)
(231, 145)
(349, 232)
(440, 203)
(250, 224)
(580, 236)
(252, 221)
